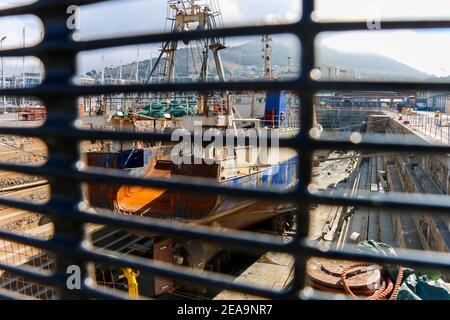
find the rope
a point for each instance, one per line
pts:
(398, 284)
(387, 287)
(356, 125)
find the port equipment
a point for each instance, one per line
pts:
(186, 15)
(70, 246)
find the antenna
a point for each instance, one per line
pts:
(23, 66)
(120, 71)
(137, 64)
(3, 73)
(289, 66)
(103, 69)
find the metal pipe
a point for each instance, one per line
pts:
(25, 186)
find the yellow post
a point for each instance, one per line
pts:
(131, 277)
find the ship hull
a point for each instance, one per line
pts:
(221, 211)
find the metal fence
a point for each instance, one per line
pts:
(431, 125)
(58, 53)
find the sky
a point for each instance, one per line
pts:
(388, 9)
(103, 20)
(427, 51)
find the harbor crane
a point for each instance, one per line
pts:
(186, 15)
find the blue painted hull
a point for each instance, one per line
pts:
(238, 213)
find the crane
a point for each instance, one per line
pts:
(185, 15)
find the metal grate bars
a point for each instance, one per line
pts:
(58, 53)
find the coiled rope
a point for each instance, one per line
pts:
(387, 288)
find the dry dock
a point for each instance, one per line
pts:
(273, 271)
(351, 173)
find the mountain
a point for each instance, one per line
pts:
(438, 79)
(249, 54)
(372, 66)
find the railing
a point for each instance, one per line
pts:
(58, 53)
(286, 121)
(356, 108)
(435, 128)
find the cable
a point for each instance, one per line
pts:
(23, 150)
(356, 125)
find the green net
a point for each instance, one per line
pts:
(176, 108)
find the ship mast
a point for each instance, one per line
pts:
(185, 15)
(23, 66)
(137, 64)
(267, 56)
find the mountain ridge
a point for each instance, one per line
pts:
(249, 54)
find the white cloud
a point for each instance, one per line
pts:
(295, 12)
(291, 14)
(427, 51)
(389, 9)
(231, 10)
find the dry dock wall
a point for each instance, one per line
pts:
(350, 119)
(436, 166)
(417, 174)
(422, 173)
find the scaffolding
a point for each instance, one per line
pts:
(18, 255)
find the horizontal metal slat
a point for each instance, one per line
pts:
(305, 30)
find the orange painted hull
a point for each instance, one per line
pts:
(198, 209)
